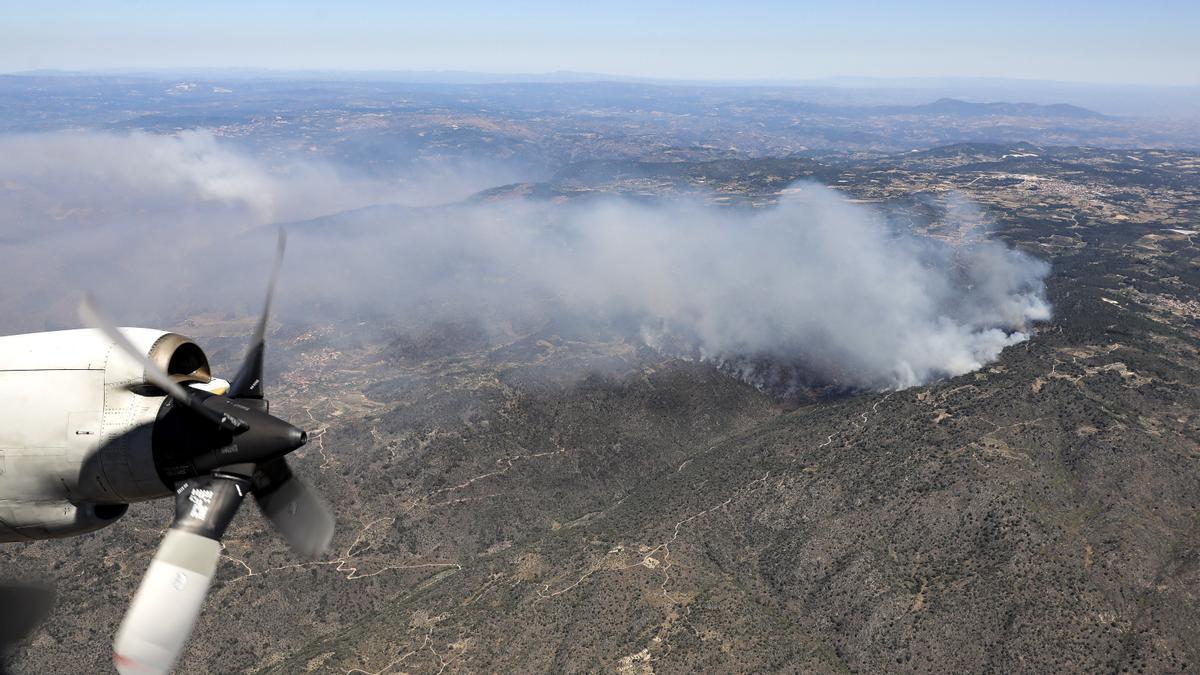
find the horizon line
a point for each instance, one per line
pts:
(574, 76)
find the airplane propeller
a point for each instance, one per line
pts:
(240, 450)
(25, 608)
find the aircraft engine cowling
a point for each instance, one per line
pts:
(89, 350)
(181, 357)
(77, 415)
(176, 354)
(22, 521)
(127, 459)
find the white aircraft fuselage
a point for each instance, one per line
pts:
(77, 427)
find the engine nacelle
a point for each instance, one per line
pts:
(86, 349)
(76, 424)
(22, 521)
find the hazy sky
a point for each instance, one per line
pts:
(1149, 41)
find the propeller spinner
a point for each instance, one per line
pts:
(242, 450)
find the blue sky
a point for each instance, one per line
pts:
(1146, 42)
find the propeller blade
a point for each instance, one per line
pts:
(26, 607)
(92, 315)
(295, 510)
(167, 603)
(248, 382)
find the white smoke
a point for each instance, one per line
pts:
(88, 180)
(816, 290)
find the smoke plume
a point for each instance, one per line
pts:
(816, 291)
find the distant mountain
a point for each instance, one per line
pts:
(1111, 99)
(953, 106)
(943, 106)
